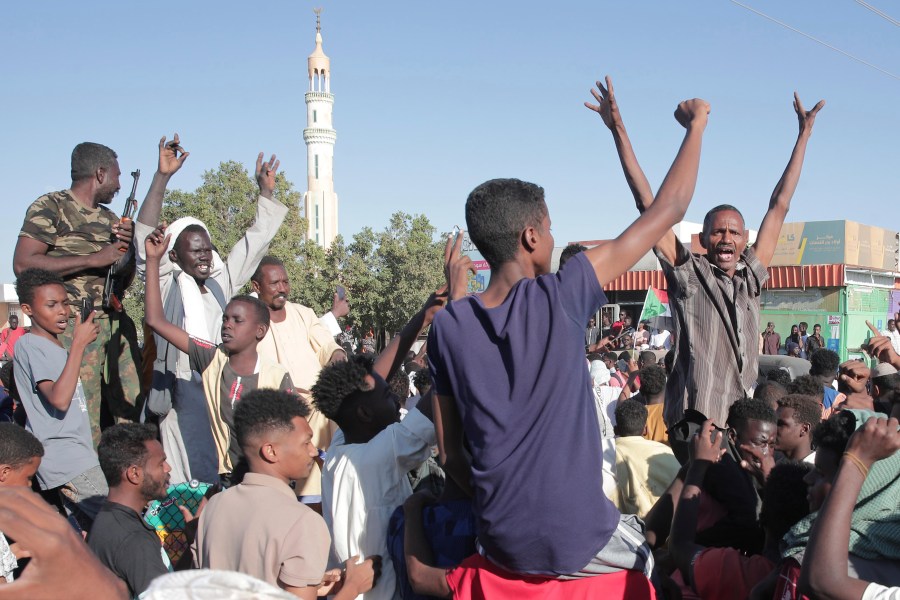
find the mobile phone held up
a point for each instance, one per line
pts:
(87, 307)
(341, 292)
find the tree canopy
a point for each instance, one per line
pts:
(388, 274)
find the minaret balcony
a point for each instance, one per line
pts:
(319, 96)
(313, 135)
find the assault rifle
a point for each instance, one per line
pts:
(114, 287)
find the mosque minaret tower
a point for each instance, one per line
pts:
(320, 203)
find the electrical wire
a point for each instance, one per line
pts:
(817, 40)
(879, 12)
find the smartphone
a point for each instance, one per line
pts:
(341, 292)
(456, 231)
(87, 307)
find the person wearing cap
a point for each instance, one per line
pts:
(196, 284)
(885, 387)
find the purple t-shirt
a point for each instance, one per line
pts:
(518, 374)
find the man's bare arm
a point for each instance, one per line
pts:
(824, 573)
(169, 163)
(614, 258)
(767, 239)
(608, 109)
(424, 577)
(31, 254)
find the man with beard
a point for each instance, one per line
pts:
(714, 296)
(196, 284)
(73, 234)
(136, 470)
(300, 342)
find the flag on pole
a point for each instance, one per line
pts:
(654, 305)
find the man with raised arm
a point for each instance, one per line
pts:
(508, 371)
(715, 296)
(195, 285)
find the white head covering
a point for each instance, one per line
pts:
(204, 584)
(191, 297)
(599, 373)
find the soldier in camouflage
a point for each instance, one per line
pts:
(72, 233)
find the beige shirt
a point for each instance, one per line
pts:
(258, 528)
(302, 345)
(644, 469)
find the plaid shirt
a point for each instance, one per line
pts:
(716, 332)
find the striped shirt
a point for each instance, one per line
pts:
(716, 332)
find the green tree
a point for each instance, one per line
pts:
(387, 274)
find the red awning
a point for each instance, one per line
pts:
(799, 276)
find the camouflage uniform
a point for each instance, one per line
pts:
(109, 371)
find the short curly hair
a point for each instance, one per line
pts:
(806, 408)
(17, 445)
(750, 409)
(653, 380)
(31, 279)
(769, 392)
(570, 251)
(834, 433)
(806, 385)
(784, 497)
(265, 410)
(497, 211)
(631, 418)
(824, 362)
(122, 446)
(399, 383)
(779, 375)
(422, 381)
(336, 382)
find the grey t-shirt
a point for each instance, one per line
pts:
(66, 435)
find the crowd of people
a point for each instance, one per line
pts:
(522, 450)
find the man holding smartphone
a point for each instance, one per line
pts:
(303, 344)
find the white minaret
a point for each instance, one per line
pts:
(320, 203)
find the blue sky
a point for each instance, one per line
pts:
(433, 98)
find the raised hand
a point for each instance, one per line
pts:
(156, 243)
(880, 347)
(707, 444)
(456, 267)
(606, 107)
(55, 549)
(86, 331)
(169, 159)
(760, 464)
(265, 175)
(877, 439)
(435, 302)
(692, 112)
(806, 118)
(339, 306)
(854, 374)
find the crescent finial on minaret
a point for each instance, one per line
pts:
(318, 12)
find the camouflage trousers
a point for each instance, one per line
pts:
(110, 372)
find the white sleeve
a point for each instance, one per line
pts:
(329, 321)
(875, 591)
(249, 250)
(408, 443)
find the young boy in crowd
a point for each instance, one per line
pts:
(229, 370)
(20, 457)
(364, 477)
(797, 417)
(50, 389)
(258, 527)
(506, 361)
